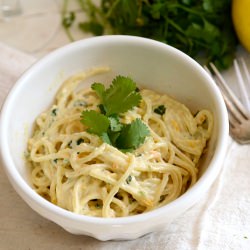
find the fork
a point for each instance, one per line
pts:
(239, 111)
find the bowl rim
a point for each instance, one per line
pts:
(26, 190)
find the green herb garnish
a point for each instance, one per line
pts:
(120, 97)
(97, 123)
(129, 179)
(161, 109)
(68, 19)
(54, 112)
(202, 29)
(93, 27)
(132, 135)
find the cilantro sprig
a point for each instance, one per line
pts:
(202, 29)
(121, 96)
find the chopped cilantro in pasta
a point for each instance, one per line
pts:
(161, 109)
(120, 97)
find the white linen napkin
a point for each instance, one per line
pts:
(221, 220)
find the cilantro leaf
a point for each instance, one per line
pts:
(99, 89)
(121, 96)
(113, 137)
(93, 27)
(105, 138)
(132, 135)
(97, 123)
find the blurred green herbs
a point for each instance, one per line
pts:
(201, 28)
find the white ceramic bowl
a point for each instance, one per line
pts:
(157, 66)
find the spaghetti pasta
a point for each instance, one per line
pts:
(77, 171)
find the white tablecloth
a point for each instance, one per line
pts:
(221, 220)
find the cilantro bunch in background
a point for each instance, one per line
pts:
(121, 96)
(201, 28)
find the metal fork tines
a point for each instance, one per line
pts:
(239, 111)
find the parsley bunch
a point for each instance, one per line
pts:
(121, 96)
(203, 29)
